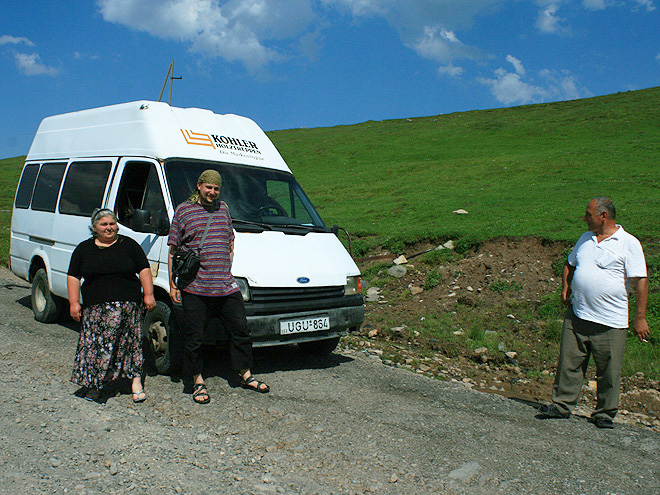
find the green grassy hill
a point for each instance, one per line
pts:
(519, 171)
(523, 171)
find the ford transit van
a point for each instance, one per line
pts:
(142, 159)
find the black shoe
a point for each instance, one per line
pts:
(603, 422)
(550, 412)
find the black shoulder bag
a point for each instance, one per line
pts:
(185, 263)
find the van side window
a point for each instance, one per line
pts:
(48, 187)
(140, 190)
(25, 187)
(84, 187)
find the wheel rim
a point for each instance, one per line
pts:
(39, 299)
(158, 337)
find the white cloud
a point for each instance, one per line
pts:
(604, 4)
(247, 31)
(442, 46)
(595, 4)
(509, 88)
(647, 4)
(517, 64)
(562, 85)
(548, 21)
(30, 65)
(11, 40)
(237, 30)
(84, 56)
(512, 88)
(450, 70)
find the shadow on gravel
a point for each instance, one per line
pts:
(12, 286)
(23, 301)
(267, 360)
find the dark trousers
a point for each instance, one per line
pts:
(580, 340)
(197, 311)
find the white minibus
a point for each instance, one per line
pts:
(141, 159)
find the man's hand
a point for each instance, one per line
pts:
(175, 295)
(641, 328)
(566, 278)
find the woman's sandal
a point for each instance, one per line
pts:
(92, 395)
(136, 396)
(199, 389)
(246, 383)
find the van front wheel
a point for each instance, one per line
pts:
(45, 306)
(162, 354)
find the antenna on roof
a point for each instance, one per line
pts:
(169, 77)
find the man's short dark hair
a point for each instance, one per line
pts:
(604, 204)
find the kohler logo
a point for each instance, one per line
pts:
(235, 144)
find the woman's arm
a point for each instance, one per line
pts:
(147, 282)
(73, 290)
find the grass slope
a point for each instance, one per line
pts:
(519, 171)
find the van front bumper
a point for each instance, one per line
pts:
(265, 329)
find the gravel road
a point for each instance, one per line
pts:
(342, 424)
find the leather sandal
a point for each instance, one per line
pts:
(199, 389)
(261, 387)
(136, 396)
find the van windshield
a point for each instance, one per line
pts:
(257, 197)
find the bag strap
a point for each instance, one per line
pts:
(206, 231)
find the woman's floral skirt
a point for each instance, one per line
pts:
(110, 344)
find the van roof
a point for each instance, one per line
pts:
(157, 130)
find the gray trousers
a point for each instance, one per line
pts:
(581, 339)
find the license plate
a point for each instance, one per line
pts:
(314, 324)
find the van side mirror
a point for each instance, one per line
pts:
(141, 222)
(163, 226)
(335, 230)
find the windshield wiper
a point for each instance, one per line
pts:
(250, 226)
(308, 228)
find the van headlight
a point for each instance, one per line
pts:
(244, 287)
(353, 286)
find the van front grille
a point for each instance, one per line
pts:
(270, 295)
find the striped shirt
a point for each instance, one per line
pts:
(214, 277)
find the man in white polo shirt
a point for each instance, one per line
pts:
(604, 265)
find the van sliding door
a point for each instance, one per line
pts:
(83, 190)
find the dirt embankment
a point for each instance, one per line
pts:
(503, 279)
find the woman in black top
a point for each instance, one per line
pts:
(110, 344)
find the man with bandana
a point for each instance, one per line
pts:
(213, 291)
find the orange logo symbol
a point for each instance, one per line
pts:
(197, 138)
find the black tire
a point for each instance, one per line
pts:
(161, 346)
(45, 306)
(319, 347)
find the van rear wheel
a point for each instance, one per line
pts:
(319, 347)
(45, 306)
(159, 333)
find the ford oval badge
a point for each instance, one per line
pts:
(302, 280)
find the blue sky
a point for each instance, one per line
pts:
(317, 63)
